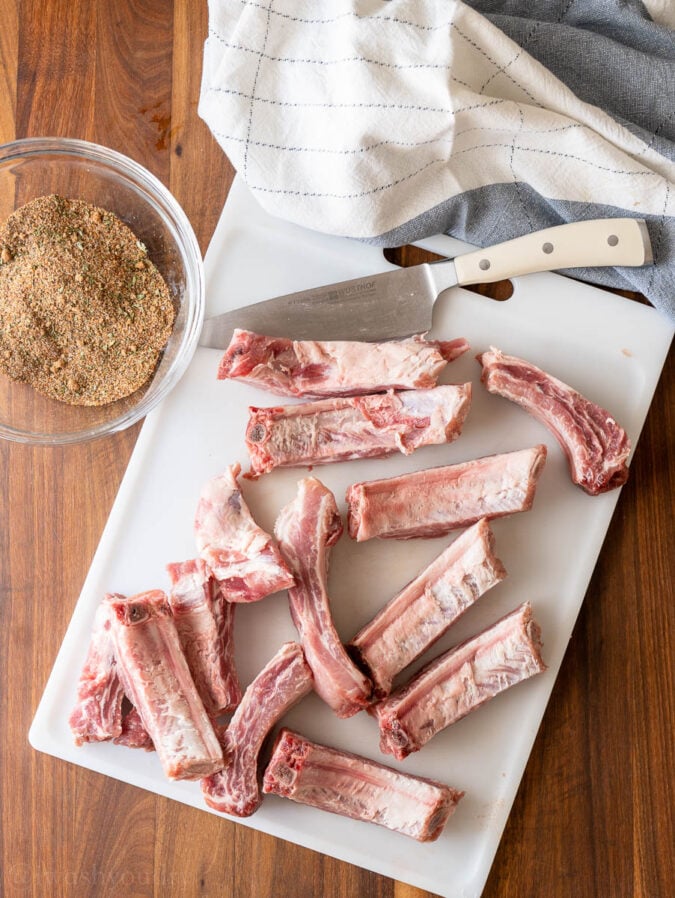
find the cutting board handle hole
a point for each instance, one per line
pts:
(404, 256)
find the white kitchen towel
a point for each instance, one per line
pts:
(390, 121)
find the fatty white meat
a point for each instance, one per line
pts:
(459, 681)
(314, 369)
(284, 680)
(353, 786)
(244, 558)
(205, 624)
(427, 607)
(335, 430)
(306, 529)
(435, 501)
(597, 448)
(156, 678)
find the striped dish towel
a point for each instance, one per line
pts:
(391, 121)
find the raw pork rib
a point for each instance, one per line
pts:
(423, 611)
(597, 449)
(353, 786)
(283, 681)
(97, 715)
(205, 624)
(312, 369)
(134, 734)
(306, 529)
(244, 559)
(333, 430)
(459, 681)
(437, 500)
(157, 680)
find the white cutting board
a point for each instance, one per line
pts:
(609, 348)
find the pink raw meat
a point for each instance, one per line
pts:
(156, 678)
(356, 787)
(315, 369)
(283, 681)
(597, 449)
(134, 734)
(437, 500)
(205, 624)
(334, 430)
(306, 529)
(97, 715)
(244, 559)
(424, 610)
(460, 681)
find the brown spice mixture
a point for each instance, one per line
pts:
(84, 313)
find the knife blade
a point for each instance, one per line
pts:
(400, 303)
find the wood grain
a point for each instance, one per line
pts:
(200, 174)
(9, 55)
(593, 816)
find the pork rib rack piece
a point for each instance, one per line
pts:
(205, 625)
(424, 610)
(315, 369)
(157, 680)
(97, 714)
(597, 448)
(459, 681)
(437, 500)
(333, 430)
(306, 529)
(283, 681)
(244, 559)
(353, 786)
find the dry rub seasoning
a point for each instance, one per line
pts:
(84, 313)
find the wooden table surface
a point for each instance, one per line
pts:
(594, 814)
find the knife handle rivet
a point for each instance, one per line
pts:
(548, 248)
(484, 264)
(612, 240)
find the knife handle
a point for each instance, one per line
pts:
(581, 244)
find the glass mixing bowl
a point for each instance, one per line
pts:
(79, 170)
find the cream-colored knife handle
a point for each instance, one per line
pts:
(581, 244)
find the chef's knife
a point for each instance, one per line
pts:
(400, 303)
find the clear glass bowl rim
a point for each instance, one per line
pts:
(178, 223)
